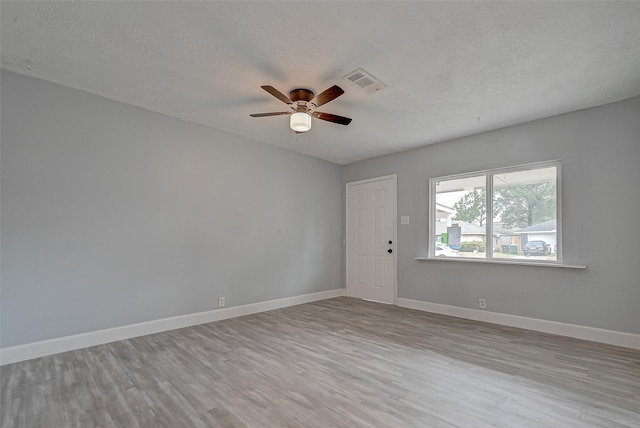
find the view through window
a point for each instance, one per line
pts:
(507, 213)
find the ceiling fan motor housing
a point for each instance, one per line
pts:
(301, 98)
(301, 95)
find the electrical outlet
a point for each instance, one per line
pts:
(482, 303)
(221, 302)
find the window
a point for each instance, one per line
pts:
(500, 214)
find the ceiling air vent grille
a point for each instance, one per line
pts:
(365, 81)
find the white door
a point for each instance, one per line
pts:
(371, 239)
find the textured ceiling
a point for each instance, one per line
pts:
(451, 68)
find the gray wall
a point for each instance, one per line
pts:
(600, 153)
(113, 215)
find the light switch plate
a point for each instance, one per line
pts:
(404, 219)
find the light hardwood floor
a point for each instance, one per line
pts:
(336, 363)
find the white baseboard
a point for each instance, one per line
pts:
(29, 351)
(610, 337)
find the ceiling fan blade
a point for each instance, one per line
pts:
(341, 120)
(276, 93)
(277, 113)
(330, 94)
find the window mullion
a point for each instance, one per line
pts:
(431, 249)
(489, 218)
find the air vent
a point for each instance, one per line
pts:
(365, 81)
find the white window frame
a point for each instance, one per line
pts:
(489, 173)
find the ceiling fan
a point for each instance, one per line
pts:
(303, 104)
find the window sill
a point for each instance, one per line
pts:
(500, 262)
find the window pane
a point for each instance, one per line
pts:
(460, 220)
(525, 209)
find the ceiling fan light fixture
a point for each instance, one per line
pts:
(300, 122)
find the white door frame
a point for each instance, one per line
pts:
(394, 178)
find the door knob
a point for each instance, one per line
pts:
(390, 242)
(389, 250)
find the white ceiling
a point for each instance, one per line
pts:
(451, 68)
